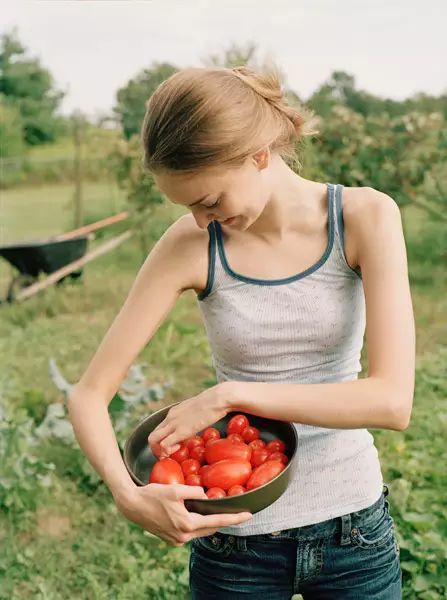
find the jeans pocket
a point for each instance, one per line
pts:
(377, 530)
(216, 543)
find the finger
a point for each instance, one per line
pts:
(185, 492)
(219, 520)
(160, 432)
(203, 532)
(167, 453)
(155, 433)
(169, 444)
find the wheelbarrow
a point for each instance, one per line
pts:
(59, 256)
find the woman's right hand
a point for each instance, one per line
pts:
(160, 509)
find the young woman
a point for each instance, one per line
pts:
(288, 273)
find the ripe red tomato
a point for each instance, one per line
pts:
(259, 456)
(224, 466)
(181, 454)
(194, 440)
(190, 466)
(198, 452)
(203, 469)
(264, 473)
(276, 446)
(235, 490)
(212, 441)
(278, 456)
(215, 492)
(210, 433)
(227, 449)
(166, 470)
(193, 479)
(235, 437)
(250, 433)
(237, 424)
(257, 443)
(227, 473)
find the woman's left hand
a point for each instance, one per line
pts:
(191, 416)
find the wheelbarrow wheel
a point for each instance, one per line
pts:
(75, 275)
(18, 283)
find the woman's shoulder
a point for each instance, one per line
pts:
(362, 202)
(191, 244)
(190, 234)
(363, 209)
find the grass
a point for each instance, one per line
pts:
(41, 211)
(97, 141)
(67, 540)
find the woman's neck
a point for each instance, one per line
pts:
(295, 205)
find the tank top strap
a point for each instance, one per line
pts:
(335, 194)
(212, 251)
(339, 236)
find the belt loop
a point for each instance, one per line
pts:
(345, 530)
(386, 491)
(241, 543)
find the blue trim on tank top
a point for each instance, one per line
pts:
(330, 203)
(339, 213)
(211, 261)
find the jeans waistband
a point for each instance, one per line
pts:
(341, 526)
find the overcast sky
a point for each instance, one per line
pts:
(394, 48)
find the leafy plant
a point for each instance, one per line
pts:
(21, 471)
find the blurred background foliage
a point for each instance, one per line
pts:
(54, 510)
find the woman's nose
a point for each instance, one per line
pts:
(204, 222)
(203, 219)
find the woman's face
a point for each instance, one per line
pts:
(239, 194)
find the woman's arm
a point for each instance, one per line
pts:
(161, 279)
(170, 269)
(94, 432)
(384, 398)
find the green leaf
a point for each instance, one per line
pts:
(421, 522)
(421, 583)
(410, 566)
(185, 329)
(117, 404)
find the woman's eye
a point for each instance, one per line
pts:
(213, 205)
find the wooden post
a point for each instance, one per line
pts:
(78, 194)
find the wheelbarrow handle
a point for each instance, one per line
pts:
(92, 227)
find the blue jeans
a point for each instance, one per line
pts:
(355, 556)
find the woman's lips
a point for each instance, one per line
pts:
(229, 221)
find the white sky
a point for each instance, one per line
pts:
(394, 48)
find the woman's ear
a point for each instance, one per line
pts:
(261, 159)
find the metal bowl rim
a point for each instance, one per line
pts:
(218, 500)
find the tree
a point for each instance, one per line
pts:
(132, 98)
(428, 104)
(402, 156)
(11, 130)
(340, 90)
(238, 55)
(142, 194)
(235, 56)
(29, 87)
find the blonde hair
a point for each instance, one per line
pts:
(215, 117)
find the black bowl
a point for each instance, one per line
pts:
(139, 461)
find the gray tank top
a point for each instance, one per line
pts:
(307, 328)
